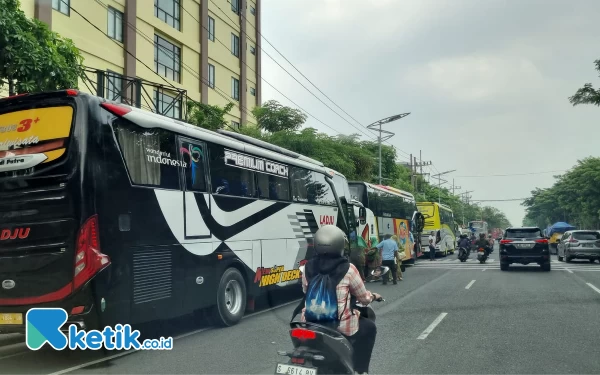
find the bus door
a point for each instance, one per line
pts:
(196, 199)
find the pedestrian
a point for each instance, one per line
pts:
(389, 248)
(398, 259)
(432, 246)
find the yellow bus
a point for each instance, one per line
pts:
(438, 217)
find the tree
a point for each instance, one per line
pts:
(211, 117)
(587, 94)
(274, 117)
(33, 57)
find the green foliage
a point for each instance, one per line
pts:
(587, 94)
(211, 117)
(34, 57)
(574, 198)
(274, 117)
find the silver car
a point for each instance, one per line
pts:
(579, 244)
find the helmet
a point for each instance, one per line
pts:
(330, 240)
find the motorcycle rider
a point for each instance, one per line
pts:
(329, 246)
(464, 243)
(482, 242)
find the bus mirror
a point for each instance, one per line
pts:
(419, 220)
(362, 215)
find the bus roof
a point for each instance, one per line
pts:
(387, 189)
(441, 205)
(233, 140)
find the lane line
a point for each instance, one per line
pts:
(593, 287)
(470, 284)
(432, 326)
(568, 270)
(483, 269)
(119, 355)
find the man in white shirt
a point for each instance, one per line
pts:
(432, 242)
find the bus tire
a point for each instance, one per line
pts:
(231, 299)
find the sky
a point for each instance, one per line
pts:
(486, 82)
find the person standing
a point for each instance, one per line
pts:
(432, 246)
(398, 258)
(389, 248)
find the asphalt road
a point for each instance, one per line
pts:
(522, 321)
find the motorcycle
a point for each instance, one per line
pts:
(319, 349)
(482, 255)
(463, 254)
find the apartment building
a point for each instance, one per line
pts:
(155, 53)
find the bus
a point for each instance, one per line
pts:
(440, 217)
(119, 215)
(392, 211)
(477, 227)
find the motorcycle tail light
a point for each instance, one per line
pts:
(298, 360)
(303, 334)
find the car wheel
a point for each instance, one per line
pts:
(567, 258)
(592, 260)
(503, 266)
(560, 259)
(546, 267)
(231, 299)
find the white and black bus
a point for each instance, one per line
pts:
(119, 215)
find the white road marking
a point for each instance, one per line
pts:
(432, 326)
(593, 287)
(118, 355)
(470, 284)
(484, 269)
(568, 270)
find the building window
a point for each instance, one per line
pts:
(235, 88)
(235, 45)
(167, 105)
(252, 10)
(211, 75)
(211, 28)
(167, 59)
(114, 86)
(252, 91)
(235, 6)
(252, 50)
(115, 24)
(235, 125)
(168, 11)
(63, 6)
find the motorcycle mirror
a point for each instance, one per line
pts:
(301, 268)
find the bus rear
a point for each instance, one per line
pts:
(49, 247)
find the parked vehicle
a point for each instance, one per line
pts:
(579, 244)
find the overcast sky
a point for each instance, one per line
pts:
(486, 81)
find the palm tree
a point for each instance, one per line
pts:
(587, 94)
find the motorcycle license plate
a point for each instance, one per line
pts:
(294, 370)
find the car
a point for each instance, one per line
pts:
(579, 244)
(524, 245)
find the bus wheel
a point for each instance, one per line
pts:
(231, 299)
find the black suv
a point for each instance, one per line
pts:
(524, 245)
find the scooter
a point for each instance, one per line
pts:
(482, 255)
(463, 254)
(320, 349)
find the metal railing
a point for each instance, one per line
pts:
(138, 92)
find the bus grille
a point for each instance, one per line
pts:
(152, 275)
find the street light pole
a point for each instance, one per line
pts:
(439, 176)
(377, 127)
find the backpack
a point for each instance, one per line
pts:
(321, 301)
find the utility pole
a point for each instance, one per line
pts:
(377, 127)
(415, 173)
(439, 177)
(454, 187)
(420, 164)
(412, 175)
(464, 196)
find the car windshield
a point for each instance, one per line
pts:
(586, 236)
(523, 233)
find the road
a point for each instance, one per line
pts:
(488, 321)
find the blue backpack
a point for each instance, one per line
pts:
(321, 301)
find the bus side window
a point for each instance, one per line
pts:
(228, 179)
(273, 187)
(193, 156)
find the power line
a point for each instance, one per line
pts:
(511, 174)
(498, 200)
(300, 83)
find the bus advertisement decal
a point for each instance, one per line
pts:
(275, 275)
(33, 136)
